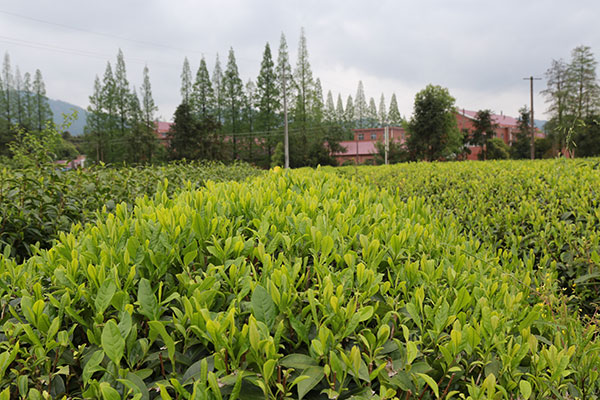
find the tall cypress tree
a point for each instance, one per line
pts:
(267, 104)
(203, 96)
(394, 117)
(20, 109)
(233, 93)
(349, 121)
(7, 93)
(360, 106)
(584, 89)
(329, 115)
(217, 85)
(122, 95)
(317, 106)
(372, 114)
(28, 101)
(382, 116)
(304, 86)
(339, 110)
(95, 133)
(186, 81)
(43, 114)
(148, 108)
(110, 120)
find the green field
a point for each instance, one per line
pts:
(414, 281)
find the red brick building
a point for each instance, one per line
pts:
(362, 149)
(506, 128)
(162, 129)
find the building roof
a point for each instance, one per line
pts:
(364, 148)
(500, 119)
(163, 127)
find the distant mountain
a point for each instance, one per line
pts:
(60, 107)
(539, 123)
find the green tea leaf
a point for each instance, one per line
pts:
(104, 296)
(315, 375)
(113, 343)
(263, 307)
(432, 384)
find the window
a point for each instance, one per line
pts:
(361, 136)
(373, 136)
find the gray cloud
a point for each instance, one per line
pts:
(480, 50)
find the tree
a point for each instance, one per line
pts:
(217, 85)
(94, 129)
(496, 149)
(339, 110)
(317, 107)
(485, 130)
(148, 108)
(122, 95)
(233, 93)
(382, 116)
(182, 135)
(349, 113)
(248, 119)
(573, 95)
(29, 101)
(203, 95)
(20, 111)
(557, 94)
(43, 114)
(432, 130)
(585, 90)
(360, 107)
(267, 104)
(304, 85)
(394, 117)
(521, 147)
(372, 114)
(7, 92)
(191, 138)
(134, 136)
(109, 105)
(186, 81)
(329, 116)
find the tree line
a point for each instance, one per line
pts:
(23, 104)
(120, 124)
(573, 98)
(221, 117)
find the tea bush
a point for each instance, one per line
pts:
(549, 208)
(36, 203)
(295, 284)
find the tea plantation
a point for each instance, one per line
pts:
(416, 281)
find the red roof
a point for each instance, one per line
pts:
(364, 148)
(502, 120)
(163, 127)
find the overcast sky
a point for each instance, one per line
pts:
(480, 50)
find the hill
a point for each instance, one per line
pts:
(60, 107)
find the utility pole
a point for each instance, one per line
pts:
(531, 79)
(286, 140)
(386, 133)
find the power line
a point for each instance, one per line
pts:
(71, 51)
(142, 42)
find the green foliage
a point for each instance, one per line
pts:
(543, 211)
(484, 130)
(432, 130)
(38, 201)
(520, 149)
(296, 284)
(496, 149)
(193, 138)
